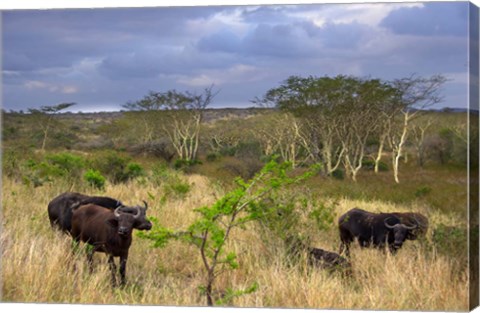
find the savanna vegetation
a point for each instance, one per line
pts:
(227, 187)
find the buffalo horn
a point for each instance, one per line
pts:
(146, 205)
(137, 215)
(387, 225)
(117, 212)
(409, 227)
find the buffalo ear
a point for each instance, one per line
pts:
(112, 222)
(136, 223)
(411, 236)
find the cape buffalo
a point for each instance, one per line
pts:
(60, 209)
(107, 231)
(379, 229)
(318, 257)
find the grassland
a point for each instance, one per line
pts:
(38, 264)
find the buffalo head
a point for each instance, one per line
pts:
(401, 232)
(123, 222)
(142, 223)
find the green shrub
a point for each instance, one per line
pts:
(213, 156)
(422, 191)
(112, 166)
(116, 168)
(370, 165)
(11, 163)
(182, 164)
(95, 179)
(160, 173)
(176, 187)
(228, 151)
(172, 185)
(134, 170)
(31, 175)
(244, 168)
(180, 188)
(338, 174)
(450, 240)
(249, 150)
(49, 171)
(65, 139)
(382, 166)
(37, 173)
(322, 215)
(68, 164)
(281, 219)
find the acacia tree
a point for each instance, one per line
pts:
(314, 102)
(387, 109)
(211, 232)
(282, 134)
(338, 115)
(185, 115)
(44, 117)
(418, 132)
(414, 94)
(360, 111)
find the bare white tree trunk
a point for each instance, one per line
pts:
(379, 152)
(284, 136)
(418, 135)
(397, 145)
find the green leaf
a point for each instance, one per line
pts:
(230, 293)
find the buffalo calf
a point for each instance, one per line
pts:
(320, 258)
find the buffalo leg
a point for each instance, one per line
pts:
(345, 248)
(75, 245)
(113, 269)
(392, 249)
(90, 259)
(123, 266)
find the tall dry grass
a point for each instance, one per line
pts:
(38, 264)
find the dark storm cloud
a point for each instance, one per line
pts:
(152, 62)
(344, 36)
(57, 38)
(110, 56)
(433, 19)
(122, 66)
(301, 39)
(224, 41)
(282, 40)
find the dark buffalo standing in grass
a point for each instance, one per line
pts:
(379, 229)
(60, 209)
(107, 231)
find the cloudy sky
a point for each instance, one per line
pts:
(103, 58)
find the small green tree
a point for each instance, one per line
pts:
(211, 232)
